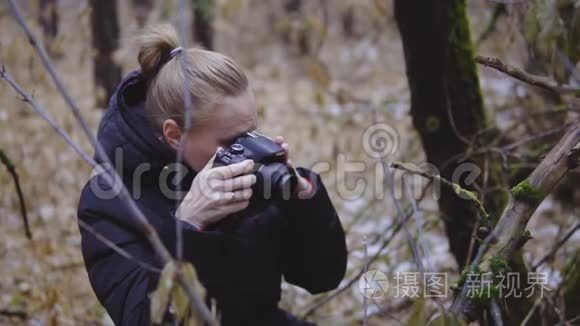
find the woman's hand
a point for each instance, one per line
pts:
(217, 192)
(304, 187)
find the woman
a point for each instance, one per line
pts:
(300, 238)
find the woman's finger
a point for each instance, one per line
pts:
(280, 141)
(234, 207)
(228, 197)
(209, 163)
(232, 170)
(244, 181)
(243, 194)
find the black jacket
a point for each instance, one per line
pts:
(241, 268)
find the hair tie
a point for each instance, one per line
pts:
(175, 52)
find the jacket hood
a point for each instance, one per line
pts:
(128, 136)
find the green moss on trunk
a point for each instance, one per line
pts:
(526, 192)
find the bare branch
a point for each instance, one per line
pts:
(495, 311)
(498, 11)
(459, 191)
(526, 199)
(184, 63)
(531, 312)
(535, 137)
(193, 296)
(395, 227)
(43, 113)
(570, 66)
(12, 171)
(22, 315)
(365, 269)
(108, 174)
(46, 117)
(116, 248)
(389, 180)
(523, 76)
(450, 117)
(557, 246)
(509, 2)
(356, 278)
(509, 233)
(111, 178)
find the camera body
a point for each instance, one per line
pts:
(274, 180)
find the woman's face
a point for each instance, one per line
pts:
(230, 119)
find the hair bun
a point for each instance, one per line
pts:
(156, 46)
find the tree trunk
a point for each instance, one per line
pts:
(443, 81)
(105, 31)
(291, 35)
(347, 19)
(142, 10)
(291, 6)
(447, 111)
(572, 287)
(48, 18)
(203, 32)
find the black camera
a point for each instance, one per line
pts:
(274, 179)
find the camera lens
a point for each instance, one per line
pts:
(275, 182)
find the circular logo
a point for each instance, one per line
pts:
(380, 140)
(373, 284)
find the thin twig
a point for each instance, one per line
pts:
(509, 2)
(508, 234)
(12, 171)
(26, 98)
(505, 151)
(535, 137)
(459, 191)
(87, 227)
(418, 213)
(184, 63)
(324, 27)
(573, 320)
(187, 103)
(557, 246)
(389, 180)
(495, 312)
(45, 116)
(531, 312)
(365, 269)
(325, 23)
(356, 278)
(112, 178)
(390, 175)
(523, 76)
(571, 66)
(387, 312)
(490, 28)
(22, 315)
(450, 117)
(360, 215)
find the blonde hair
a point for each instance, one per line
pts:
(209, 76)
